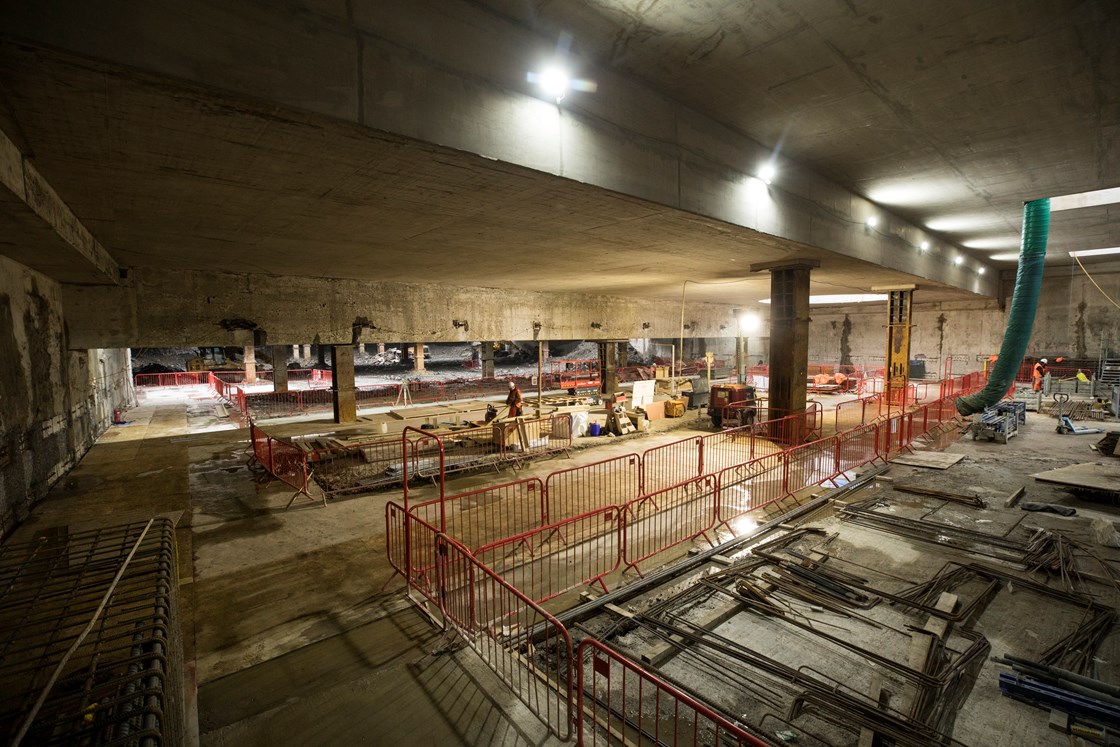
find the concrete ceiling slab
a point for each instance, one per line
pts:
(934, 110)
(174, 176)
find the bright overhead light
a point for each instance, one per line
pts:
(1095, 252)
(749, 322)
(1004, 257)
(872, 221)
(924, 246)
(842, 298)
(981, 271)
(767, 173)
(1085, 199)
(553, 80)
(957, 260)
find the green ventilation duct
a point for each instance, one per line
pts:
(1024, 304)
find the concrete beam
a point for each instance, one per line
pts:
(453, 73)
(39, 229)
(219, 308)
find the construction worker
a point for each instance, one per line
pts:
(1039, 372)
(513, 400)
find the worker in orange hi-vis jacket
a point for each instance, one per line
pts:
(1039, 372)
(513, 400)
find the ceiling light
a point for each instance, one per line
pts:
(749, 322)
(842, 298)
(1004, 257)
(1095, 252)
(553, 80)
(981, 271)
(767, 173)
(924, 245)
(957, 260)
(1085, 199)
(872, 221)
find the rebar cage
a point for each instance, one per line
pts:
(90, 644)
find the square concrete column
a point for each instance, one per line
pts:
(321, 354)
(361, 348)
(487, 353)
(418, 357)
(342, 384)
(380, 348)
(279, 368)
(789, 333)
(250, 364)
(295, 352)
(306, 355)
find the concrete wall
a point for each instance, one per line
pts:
(1072, 320)
(453, 72)
(54, 402)
(186, 309)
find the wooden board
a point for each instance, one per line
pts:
(931, 459)
(1091, 476)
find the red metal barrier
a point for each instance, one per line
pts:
(620, 702)
(480, 517)
(282, 460)
(672, 463)
(179, 378)
(810, 464)
(578, 490)
(855, 448)
(657, 521)
(545, 562)
(357, 466)
(746, 487)
(856, 412)
(529, 649)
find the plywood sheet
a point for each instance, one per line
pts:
(1090, 475)
(931, 459)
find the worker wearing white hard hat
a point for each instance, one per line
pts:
(1039, 372)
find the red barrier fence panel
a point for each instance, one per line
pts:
(578, 490)
(734, 446)
(470, 448)
(539, 437)
(548, 561)
(856, 412)
(855, 448)
(260, 405)
(620, 702)
(671, 464)
(480, 517)
(529, 649)
(746, 487)
(396, 546)
(810, 464)
(660, 520)
(425, 391)
(176, 378)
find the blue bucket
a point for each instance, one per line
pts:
(594, 429)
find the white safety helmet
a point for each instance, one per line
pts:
(1045, 361)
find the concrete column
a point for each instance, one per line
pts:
(789, 332)
(361, 348)
(624, 354)
(380, 348)
(418, 357)
(279, 368)
(610, 370)
(295, 352)
(321, 351)
(487, 353)
(342, 384)
(250, 364)
(306, 355)
(544, 352)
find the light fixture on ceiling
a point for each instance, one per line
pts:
(1004, 257)
(957, 260)
(1085, 199)
(981, 270)
(748, 323)
(767, 173)
(1095, 252)
(924, 246)
(842, 298)
(553, 80)
(872, 221)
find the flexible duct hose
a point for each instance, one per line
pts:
(1024, 304)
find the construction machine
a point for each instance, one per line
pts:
(732, 405)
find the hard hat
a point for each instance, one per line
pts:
(1045, 361)
(512, 385)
